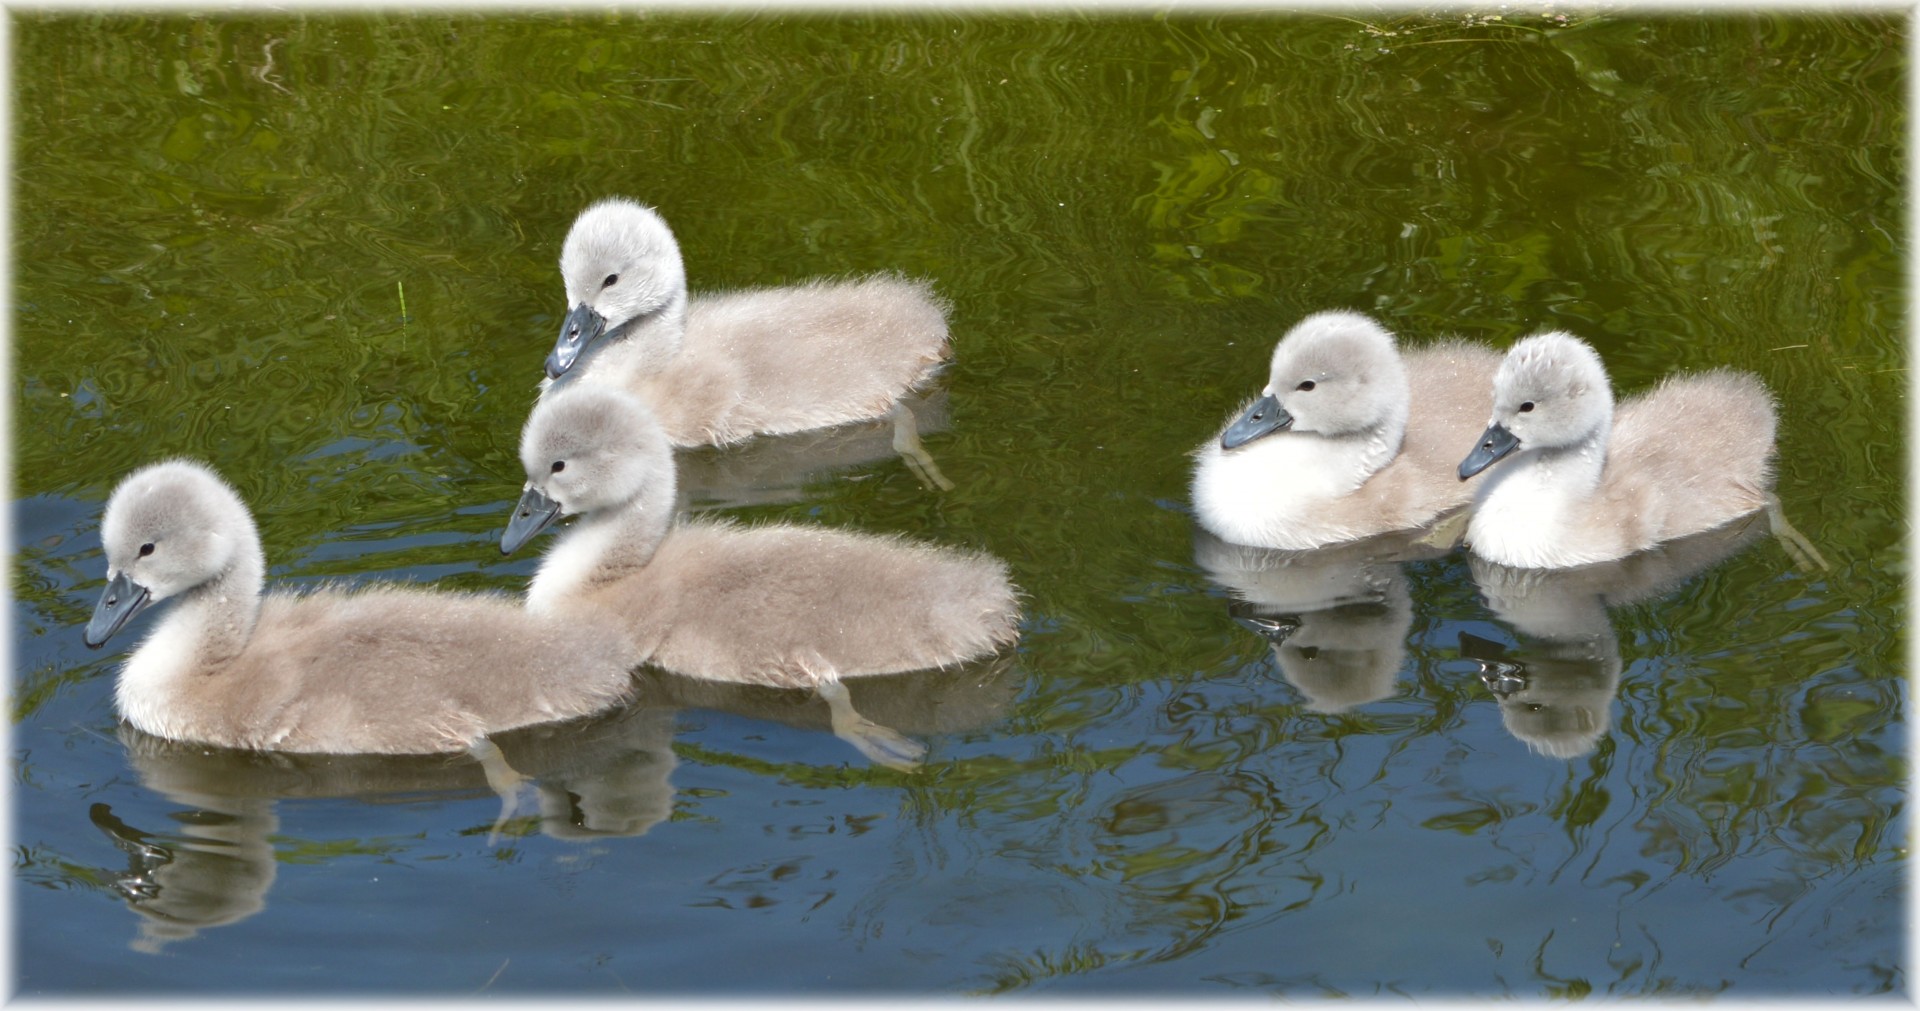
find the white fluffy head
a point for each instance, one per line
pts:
(174, 525)
(1551, 392)
(591, 448)
(621, 260)
(1338, 373)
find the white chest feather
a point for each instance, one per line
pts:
(1532, 516)
(569, 566)
(149, 682)
(1270, 493)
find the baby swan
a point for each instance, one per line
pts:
(778, 605)
(383, 670)
(1349, 439)
(718, 369)
(1587, 483)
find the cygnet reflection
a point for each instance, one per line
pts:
(1556, 687)
(606, 775)
(1337, 618)
(774, 469)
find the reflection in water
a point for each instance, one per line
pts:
(216, 870)
(771, 469)
(1337, 618)
(606, 775)
(1556, 691)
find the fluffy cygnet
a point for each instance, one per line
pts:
(1586, 483)
(383, 669)
(718, 369)
(778, 605)
(1349, 439)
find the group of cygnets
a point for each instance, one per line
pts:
(1350, 438)
(639, 369)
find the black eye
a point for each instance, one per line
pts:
(609, 282)
(559, 465)
(146, 549)
(1308, 385)
(1528, 406)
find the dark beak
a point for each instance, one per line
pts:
(1275, 628)
(534, 513)
(1265, 417)
(122, 599)
(1496, 443)
(582, 327)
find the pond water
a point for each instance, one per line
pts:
(317, 251)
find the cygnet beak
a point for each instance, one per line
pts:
(1494, 444)
(534, 513)
(1265, 417)
(1275, 628)
(582, 327)
(119, 602)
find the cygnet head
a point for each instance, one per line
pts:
(620, 263)
(587, 449)
(1551, 392)
(1334, 374)
(169, 527)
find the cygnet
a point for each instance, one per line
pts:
(378, 670)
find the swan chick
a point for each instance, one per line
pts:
(379, 670)
(1584, 483)
(719, 369)
(1348, 439)
(779, 605)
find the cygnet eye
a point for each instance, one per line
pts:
(1307, 385)
(146, 549)
(559, 465)
(1528, 406)
(610, 281)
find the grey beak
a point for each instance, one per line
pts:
(582, 327)
(1275, 628)
(1266, 416)
(1496, 443)
(120, 601)
(534, 513)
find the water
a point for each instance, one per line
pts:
(318, 252)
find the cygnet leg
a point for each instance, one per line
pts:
(502, 778)
(1798, 548)
(906, 442)
(1447, 532)
(887, 747)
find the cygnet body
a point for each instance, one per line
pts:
(380, 670)
(718, 369)
(778, 605)
(1349, 439)
(1584, 483)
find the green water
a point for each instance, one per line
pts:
(318, 252)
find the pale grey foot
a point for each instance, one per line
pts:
(886, 747)
(1447, 533)
(906, 442)
(1798, 548)
(502, 778)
